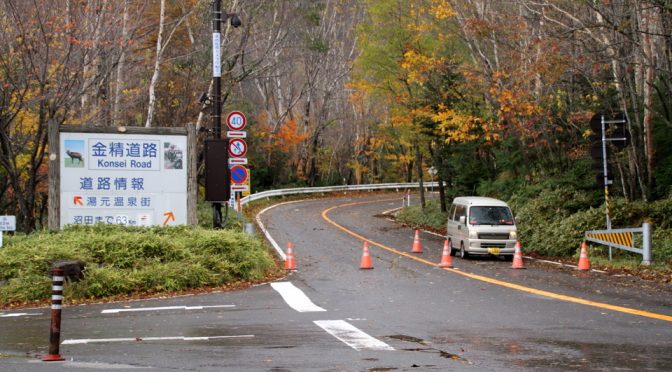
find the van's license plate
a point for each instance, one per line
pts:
(493, 250)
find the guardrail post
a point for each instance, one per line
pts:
(56, 306)
(646, 245)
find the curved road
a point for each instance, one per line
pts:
(484, 312)
(404, 315)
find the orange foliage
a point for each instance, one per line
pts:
(283, 138)
(288, 135)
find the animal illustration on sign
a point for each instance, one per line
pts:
(74, 155)
(172, 156)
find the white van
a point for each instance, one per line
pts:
(479, 225)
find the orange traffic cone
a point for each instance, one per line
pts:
(446, 260)
(366, 258)
(584, 263)
(517, 257)
(290, 263)
(417, 246)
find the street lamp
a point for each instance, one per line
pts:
(217, 159)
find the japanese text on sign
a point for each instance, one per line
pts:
(130, 155)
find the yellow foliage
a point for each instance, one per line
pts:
(441, 9)
(458, 127)
(417, 65)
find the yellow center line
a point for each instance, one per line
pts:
(486, 279)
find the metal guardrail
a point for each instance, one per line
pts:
(326, 189)
(623, 239)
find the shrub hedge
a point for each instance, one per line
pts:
(126, 261)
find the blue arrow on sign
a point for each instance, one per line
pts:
(238, 174)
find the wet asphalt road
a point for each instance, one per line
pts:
(427, 318)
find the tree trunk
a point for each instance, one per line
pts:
(418, 162)
(121, 66)
(649, 81)
(157, 68)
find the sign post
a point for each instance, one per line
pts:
(236, 121)
(611, 130)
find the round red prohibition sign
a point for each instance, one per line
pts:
(236, 120)
(239, 174)
(237, 148)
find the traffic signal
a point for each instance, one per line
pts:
(615, 127)
(618, 131)
(615, 134)
(596, 148)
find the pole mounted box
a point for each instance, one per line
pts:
(217, 179)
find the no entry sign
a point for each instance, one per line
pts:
(236, 120)
(239, 174)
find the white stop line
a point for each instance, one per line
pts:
(295, 298)
(145, 339)
(128, 310)
(16, 315)
(351, 335)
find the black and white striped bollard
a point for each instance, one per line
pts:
(56, 305)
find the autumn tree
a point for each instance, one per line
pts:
(43, 56)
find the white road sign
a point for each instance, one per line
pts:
(7, 223)
(125, 179)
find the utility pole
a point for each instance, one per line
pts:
(217, 175)
(217, 94)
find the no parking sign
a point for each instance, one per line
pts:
(239, 174)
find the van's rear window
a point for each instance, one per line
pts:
(490, 216)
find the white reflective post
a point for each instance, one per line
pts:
(646, 245)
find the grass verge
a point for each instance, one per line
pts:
(126, 261)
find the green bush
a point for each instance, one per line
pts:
(26, 288)
(126, 260)
(99, 282)
(554, 224)
(551, 224)
(431, 216)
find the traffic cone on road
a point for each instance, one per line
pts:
(365, 263)
(290, 263)
(417, 246)
(517, 257)
(446, 260)
(584, 263)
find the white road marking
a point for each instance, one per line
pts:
(16, 315)
(115, 311)
(143, 339)
(92, 365)
(295, 298)
(351, 335)
(275, 245)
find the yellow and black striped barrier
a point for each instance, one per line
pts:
(620, 238)
(623, 239)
